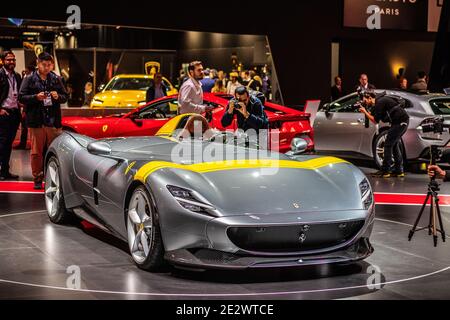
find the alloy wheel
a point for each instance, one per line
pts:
(140, 226)
(52, 189)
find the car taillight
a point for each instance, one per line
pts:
(275, 125)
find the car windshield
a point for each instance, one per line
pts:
(441, 106)
(141, 84)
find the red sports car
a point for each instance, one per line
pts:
(147, 120)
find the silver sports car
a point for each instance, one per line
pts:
(230, 214)
(340, 129)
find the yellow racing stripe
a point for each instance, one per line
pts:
(205, 167)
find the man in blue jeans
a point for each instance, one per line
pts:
(388, 110)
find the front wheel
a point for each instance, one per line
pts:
(54, 196)
(144, 234)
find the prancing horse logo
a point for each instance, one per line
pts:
(302, 236)
(105, 128)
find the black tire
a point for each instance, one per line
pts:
(377, 144)
(154, 260)
(58, 214)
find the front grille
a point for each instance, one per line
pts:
(298, 238)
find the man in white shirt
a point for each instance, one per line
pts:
(190, 98)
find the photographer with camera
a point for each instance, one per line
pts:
(42, 92)
(388, 110)
(249, 111)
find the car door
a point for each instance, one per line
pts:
(341, 128)
(148, 120)
(98, 180)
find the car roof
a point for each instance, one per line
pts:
(413, 95)
(405, 94)
(129, 76)
(133, 76)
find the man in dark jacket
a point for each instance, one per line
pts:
(42, 93)
(248, 110)
(364, 84)
(388, 109)
(337, 90)
(157, 89)
(10, 114)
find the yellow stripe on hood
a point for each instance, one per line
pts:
(205, 167)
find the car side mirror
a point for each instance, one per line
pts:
(326, 108)
(99, 148)
(137, 121)
(298, 146)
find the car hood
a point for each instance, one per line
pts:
(122, 98)
(330, 186)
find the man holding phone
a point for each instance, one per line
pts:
(42, 92)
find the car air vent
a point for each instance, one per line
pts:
(298, 238)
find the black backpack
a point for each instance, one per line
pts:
(258, 95)
(401, 103)
(400, 100)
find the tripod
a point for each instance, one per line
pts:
(435, 212)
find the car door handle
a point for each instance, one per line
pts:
(362, 120)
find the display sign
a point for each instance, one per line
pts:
(393, 14)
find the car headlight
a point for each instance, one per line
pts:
(188, 200)
(366, 194)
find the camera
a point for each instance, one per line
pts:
(434, 125)
(361, 93)
(236, 104)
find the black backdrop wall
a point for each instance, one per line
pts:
(381, 60)
(300, 33)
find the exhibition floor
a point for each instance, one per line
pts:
(35, 256)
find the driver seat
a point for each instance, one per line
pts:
(189, 127)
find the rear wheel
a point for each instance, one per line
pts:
(378, 149)
(54, 196)
(144, 234)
